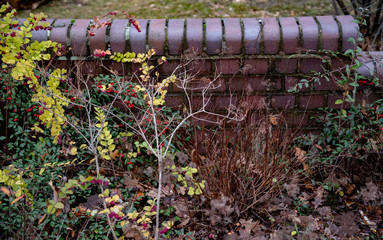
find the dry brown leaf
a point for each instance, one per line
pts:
(182, 157)
(300, 154)
(274, 119)
(114, 155)
(248, 224)
(167, 190)
(42, 219)
(152, 193)
(17, 199)
(58, 212)
(92, 202)
(6, 191)
(55, 191)
(319, 147)
(181, 190)
(350, 188)
(129, 182)
(181, 208)
(131, 232)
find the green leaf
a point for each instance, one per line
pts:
(51, 209)
(339, 101)
(59, 205)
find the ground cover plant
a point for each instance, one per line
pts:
(102, 157)
(183, 9)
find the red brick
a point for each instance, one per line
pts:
(61, 64)
(291, 82)
(224, 102)
(308, 65)
(227, 66)
(286, 65)
(325, 85)
(331, 101)
(87, 67)
(349, 30)
(330, 33)
(117, 36)
(59, 31)
(290, 34)
(200, 84)
(255, 66)
(197, 85)
(207, 120)
(98, 41)
(248, 84)
(157, 35)
(175, 36)
(199, 103)
(78, 37)
(272, 36)
(283, 102)
(368, 97)
(253, 102)
(213, 36)
(295, 120)
(194, 34)
(174, 102)
(233, 35)
(200, 67)
(256, 117)
(121, 68)
(340, 63)
(310, 33)
(311, 102)
(252, 31)
(138, 39)
(171, 66)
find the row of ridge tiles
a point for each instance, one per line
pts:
(286, 35)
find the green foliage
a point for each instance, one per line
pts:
(185, 177)
(356, 127)
(60, 139)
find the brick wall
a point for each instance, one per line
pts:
(262, 58)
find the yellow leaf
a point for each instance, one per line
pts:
(41, 171)
(73, 151)
(106, 192)
(112, 147)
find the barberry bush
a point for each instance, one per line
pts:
(73, 144)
